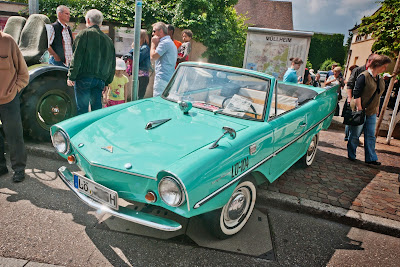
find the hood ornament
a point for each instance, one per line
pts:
(154, 124)
(108, 148)
(185, 106)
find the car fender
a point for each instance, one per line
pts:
(39, 69)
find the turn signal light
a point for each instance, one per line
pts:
(150, 197)
(71, 159)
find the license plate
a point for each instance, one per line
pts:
(96, 191)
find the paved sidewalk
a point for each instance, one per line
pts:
(334, 180)
(11, 262)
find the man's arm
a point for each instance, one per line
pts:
(20, 67)
(154, 43)
(79, 49)
(358, 89)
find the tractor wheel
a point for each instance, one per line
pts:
(46, 101)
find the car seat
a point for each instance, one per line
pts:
(14, 27)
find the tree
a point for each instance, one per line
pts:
(325, 46)
(384, 27)
(213, 23)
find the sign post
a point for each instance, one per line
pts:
(136, 50)
(33, 7)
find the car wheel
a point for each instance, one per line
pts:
(232, 217)
(46, 101)
(309, 157)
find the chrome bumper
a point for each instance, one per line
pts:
(138, 217)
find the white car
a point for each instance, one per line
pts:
(323, 75)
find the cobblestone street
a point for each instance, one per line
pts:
(335, 180)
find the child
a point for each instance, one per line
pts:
(186, 47)
(118, 89)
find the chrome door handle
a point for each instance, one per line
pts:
(303, 124)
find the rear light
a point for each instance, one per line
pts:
(150, 197)
(71, 159)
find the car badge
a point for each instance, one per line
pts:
(81, 145)
(108, 148)
(253, 149)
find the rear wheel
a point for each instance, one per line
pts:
(46, 101)
(309, 157)
(232, 217)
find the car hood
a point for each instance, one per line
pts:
(149, 151)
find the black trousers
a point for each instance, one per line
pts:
(10, 115)
(143, 82)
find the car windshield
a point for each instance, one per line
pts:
(220, 91)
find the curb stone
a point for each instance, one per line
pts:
(338, 214)
(265, 197)
(12, 262)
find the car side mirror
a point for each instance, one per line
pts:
(227, 130)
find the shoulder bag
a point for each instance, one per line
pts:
(355, 118)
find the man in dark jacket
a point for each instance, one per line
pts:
(93, 63)
(60, 38)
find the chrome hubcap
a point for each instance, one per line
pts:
(237, 207)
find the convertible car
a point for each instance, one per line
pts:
(199, 149)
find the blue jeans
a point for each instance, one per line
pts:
(88, 90)
(369, 139)
(52, 61)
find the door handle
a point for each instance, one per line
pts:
(303, 124)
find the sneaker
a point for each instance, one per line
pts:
(377, 163)
(18, 176)
(3, 170)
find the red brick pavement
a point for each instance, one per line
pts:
(335, 180)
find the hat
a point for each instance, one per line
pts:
(120, 64)
(386, 75)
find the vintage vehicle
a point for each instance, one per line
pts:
(199, 149)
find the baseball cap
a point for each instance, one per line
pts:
(386, 75)
(120, 64)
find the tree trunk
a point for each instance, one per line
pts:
(388, 93)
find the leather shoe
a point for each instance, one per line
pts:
(351, 159)
(3, 170)
(18, 176)
(377, 163)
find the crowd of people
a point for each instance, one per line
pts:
(366, 90)
(94, 72)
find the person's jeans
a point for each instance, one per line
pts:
(369, 139)
(346, 132)
(52, 61)
(10, 115)
(88, 90)
(159, 87)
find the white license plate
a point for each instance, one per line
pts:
(96, 191)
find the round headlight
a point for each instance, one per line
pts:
(60, 142)
(171, 191)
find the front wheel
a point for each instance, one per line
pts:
(232, 217)
(46, 101)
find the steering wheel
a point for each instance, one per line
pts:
(225, 102)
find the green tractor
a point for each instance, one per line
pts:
(47, 99)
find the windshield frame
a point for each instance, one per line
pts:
(233, 71)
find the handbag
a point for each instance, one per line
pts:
(355, 118)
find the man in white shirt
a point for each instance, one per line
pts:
(60, 38)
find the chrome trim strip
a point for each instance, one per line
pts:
(112, 169)
(216, 192)
(63, 172)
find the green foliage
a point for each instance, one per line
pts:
(213, 23)
(325, 46)
(384, 28)
(308, 64)
(327, 64)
